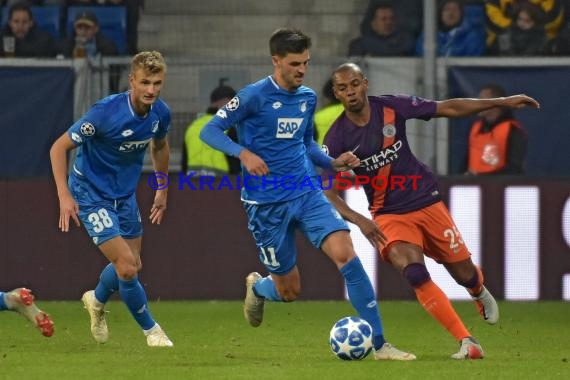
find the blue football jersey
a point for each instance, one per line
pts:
(277, 125)
(112, 141)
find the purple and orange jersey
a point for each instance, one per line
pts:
(384, 152)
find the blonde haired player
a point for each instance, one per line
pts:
(111, 139)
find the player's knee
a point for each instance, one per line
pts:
(126, 271)
(416, 274)
(469, 281)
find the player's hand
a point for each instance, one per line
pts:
(346, 161)
(253, 163)
(67, 208)
(158, 207)
(520, 101)
(372, 232)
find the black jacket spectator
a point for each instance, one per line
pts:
(86, 32)
(383, 38)
(30, 40)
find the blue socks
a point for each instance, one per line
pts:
(2, 304)
(265, 288)
(363, 299)
(108, 284)
(134, 297)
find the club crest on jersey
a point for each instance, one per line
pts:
(389, 130)
(131, 146)
(154, 126)
(287, 127)
(303, 106)
(87, 129)
(233, 104)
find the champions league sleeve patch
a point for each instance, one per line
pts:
(87, 129)
(233, 104)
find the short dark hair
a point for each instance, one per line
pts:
(22, 6)
(496, 90)
(286, 40)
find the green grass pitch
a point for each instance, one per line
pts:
(213, 341)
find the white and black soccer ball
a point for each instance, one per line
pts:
(351, 338)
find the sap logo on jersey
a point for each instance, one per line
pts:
(130, 146)
(287, 127)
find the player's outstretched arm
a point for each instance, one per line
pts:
(67, 205)
(368, 228)
(459, 107)
(160, 155)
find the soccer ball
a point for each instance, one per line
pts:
(351, 338)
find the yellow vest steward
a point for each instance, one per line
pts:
(200, 154)
(324, 119)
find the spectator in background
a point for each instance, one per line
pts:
(132, 8)
(28, 39)
(383, 38)
(501, 16)
(497, 142)
(326, 116)
(199, 157)
(456, 37)
(86, 41)
(526, 35)
(410, 14)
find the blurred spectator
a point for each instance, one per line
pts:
(383, 38)
(501, 16)
(456, 36)
(325, 117)
(409, 20)
(86, 40)
(526, 36)
(497, 142)
(29, 40)
(132, 8)
(199, 157)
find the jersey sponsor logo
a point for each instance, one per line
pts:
(276, 105)
(389, 130)
(131, 146)
(233, 104)
(75, 137)
(287, 127)
(154, 126)
(87, 129)
(127, 132)
(221, 113)
(382, 158)
(303, 106)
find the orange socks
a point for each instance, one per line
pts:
(436, 303)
